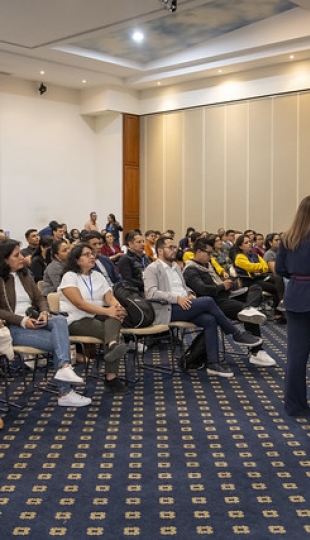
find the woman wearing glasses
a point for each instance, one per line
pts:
(93, 310)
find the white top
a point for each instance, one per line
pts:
(92, 288)
(23, 301)
(175, 282)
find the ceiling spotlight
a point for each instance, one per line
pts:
(170, 5)
(138, 36)
(42, 88)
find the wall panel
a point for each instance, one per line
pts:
(193, 158)
(236, 165)
(284, 161)
(173, 165)
(214, 178)
(153, 199)
(260, 161)
(303, 135)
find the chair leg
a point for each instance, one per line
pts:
(4, 362)
(163, 369)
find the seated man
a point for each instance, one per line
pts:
(33, 239)
(103, 263)
(202, 278)
(150, 244)
(164, 281)
(131, 266)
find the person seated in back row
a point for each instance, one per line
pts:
(132, 265)
(201, 277)
(164, 281)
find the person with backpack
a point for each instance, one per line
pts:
(163, 281)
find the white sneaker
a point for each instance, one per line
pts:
(67, 374)
(131, 347)
(40, 363)
(73, 400)
(252, 315)
(261, 358)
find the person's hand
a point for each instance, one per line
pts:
(225, 275)
(116, 311)
(43, 317)
(227, 284)
(185, 302)
(31, 324)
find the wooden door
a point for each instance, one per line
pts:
(130, 172)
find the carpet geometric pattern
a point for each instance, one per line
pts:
(180, 457)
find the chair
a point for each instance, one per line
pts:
(183, 328)
(53, 300)
(22, 351)
(155, 330)
(40, 285)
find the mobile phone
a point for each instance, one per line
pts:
(39, 323)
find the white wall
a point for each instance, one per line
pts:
(54, 162)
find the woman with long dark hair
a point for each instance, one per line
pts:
(93, 310)
(25, 311)
(41, 258)
(55, 270)
(293, 262)
(113, 226)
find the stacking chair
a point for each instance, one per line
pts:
(181, 330)
(140, 334)
(23, 353)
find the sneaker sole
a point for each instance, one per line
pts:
(261, 363)
(250, 345)
(76, 405)
(220, 374)
(255, 319)
(68, 380)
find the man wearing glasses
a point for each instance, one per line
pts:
(163, 280)
(202, 278)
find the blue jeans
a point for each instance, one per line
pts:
(54, 337)
(204, 312)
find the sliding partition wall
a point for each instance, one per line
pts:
(237, 165)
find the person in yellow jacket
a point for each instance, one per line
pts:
(251, 268)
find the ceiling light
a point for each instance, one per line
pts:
(84, 81)
(159, 83)
(219, 71)
(292, 56)
(137, 36)
(42, 72)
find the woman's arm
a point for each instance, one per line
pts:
(242, 261)
(74, 296)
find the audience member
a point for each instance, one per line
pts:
(132, 265)
(54, 271)
(110, 249)
(93, 310)
(41, 258)
(91, 224)
(183, 244)
(150, 244)
(229, 242)
(259, 245)
(33, 239)
(37, 329)
(103, 263)
(164, 282)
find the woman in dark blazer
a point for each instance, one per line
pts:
(293, 262)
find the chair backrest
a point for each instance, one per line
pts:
(40, 285)
(53, 300)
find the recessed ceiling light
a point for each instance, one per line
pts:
(84, 81)
(159, 83)
(219, 71)
(138, 36)
(42, 72)
(292, 56)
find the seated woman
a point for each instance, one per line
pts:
(272, 243)
(55, 270)
(219, 259)
(109, 249)
(252, 269)
(74, 236)
(93, 310)
(18, 294)
(41, 258)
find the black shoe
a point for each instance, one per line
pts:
(116, 386)
(195, 365)
(245, 338)
(220, 369)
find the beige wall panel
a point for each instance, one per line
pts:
(236, 165)
(260, 159)
(153, 179)
(193, 203)
(173, 154)
(214, 178)
(304, 146)
(285, 160)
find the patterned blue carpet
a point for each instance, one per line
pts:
(180, 457)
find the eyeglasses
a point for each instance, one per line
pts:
(207, 251)
(171, 247)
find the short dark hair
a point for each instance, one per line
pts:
(229, 231)
(91, 235)
(29, 232)
(150, 231)
(131, 235)
(56, 245)
(53, 225)
(201, 244)
(161, 242)
(74, 255)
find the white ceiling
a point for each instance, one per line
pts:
(90, 40)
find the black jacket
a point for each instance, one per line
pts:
(131, 268)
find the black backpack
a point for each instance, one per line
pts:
(140, 312)
(195, 354)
